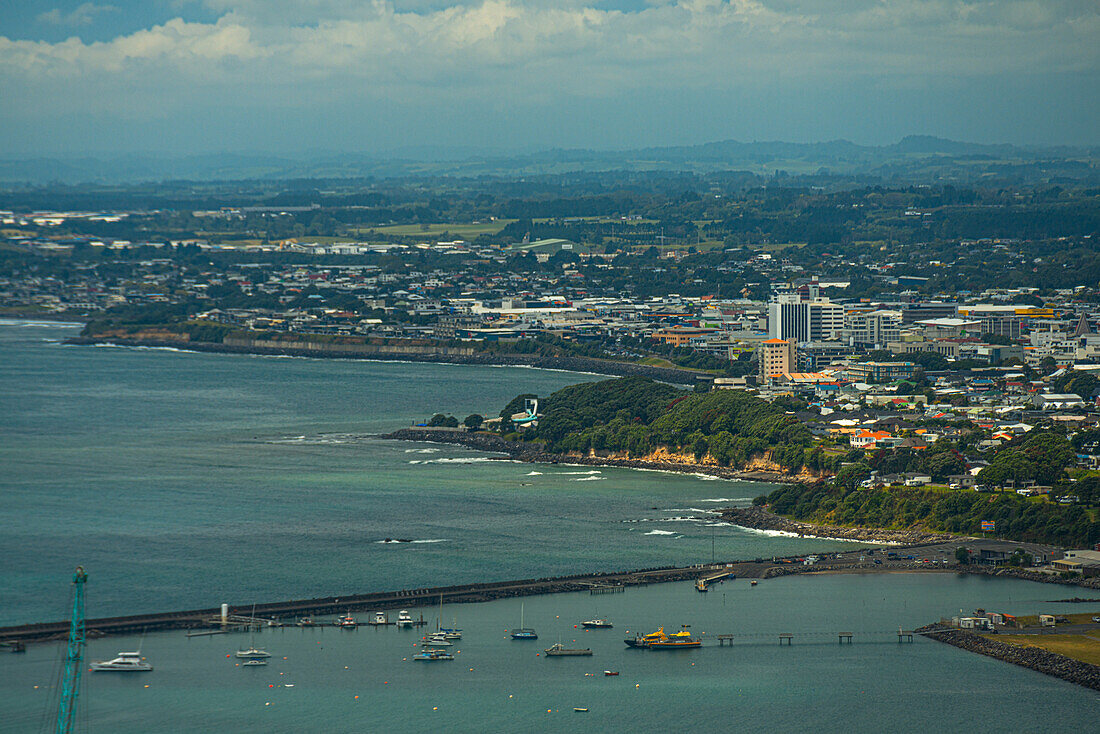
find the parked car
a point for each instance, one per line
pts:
(1096, 619)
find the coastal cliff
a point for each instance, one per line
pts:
(658, 460)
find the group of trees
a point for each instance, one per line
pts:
(1039, 456)
(1017, 517)
(639, 415)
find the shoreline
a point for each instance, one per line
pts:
(534, 454)
(758, 518)
(432, 355)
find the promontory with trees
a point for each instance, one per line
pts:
(644, 420)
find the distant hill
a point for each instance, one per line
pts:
(916, 158)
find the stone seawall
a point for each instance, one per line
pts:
(409, 353)
(1042, 661)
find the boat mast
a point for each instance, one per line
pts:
(74, 657)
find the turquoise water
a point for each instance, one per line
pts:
(497, 684)
(184, 480)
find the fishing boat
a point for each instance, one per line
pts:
(598, 623)
(253, 651)
(560, 650)
(125, 662)
(433, 655)
(523, 633)
(346, 622)
(379, 619)
(404, 619)
(677, 640)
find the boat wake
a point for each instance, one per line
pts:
(533, 474)
(422, 451)
(664, 532)
(586, 479)
(398, 541)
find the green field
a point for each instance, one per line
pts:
(436, 229)
(1079, 647)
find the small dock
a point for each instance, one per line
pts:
(606, 589)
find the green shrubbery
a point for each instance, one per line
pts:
(1018, 518)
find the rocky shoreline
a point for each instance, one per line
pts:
(584, 365)
(760, 519)
(1042, 661)
(534, 453)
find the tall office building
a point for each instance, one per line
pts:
(790, 317)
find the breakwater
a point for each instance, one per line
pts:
(1042, 661)
(466, 593)
(535, 453)
(405, 353)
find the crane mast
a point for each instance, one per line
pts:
(74, 657)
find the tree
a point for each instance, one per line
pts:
(850, 476)
(962, 555)
(473, 421)
(445, 421)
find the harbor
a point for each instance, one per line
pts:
(324, 677)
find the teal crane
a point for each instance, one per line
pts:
(74, 658)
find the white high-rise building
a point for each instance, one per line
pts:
(790, 317)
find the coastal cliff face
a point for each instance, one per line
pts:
(661, 459)
(664, 456)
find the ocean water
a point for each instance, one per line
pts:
(184, 480)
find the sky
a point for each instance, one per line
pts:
(181, 77)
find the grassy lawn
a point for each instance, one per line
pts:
(1032, 620)
(434, 230)
(1079, 647)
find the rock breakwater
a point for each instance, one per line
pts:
(1042, 661)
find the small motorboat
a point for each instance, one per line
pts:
(404, 619)
(379, 619)
(346, 622)
(438, 640)
(752, 583)
(432, 655)
(125, 662)
(305, 622)
(580, 710)
(253, 663)
(560, 650)
(611, 672)
(598, 623)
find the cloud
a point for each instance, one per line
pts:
(319, 54)
(79, 16)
